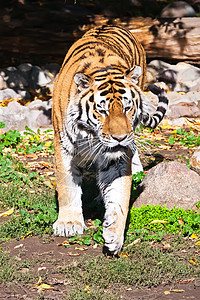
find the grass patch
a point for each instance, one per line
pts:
(12, 269)
(145, 266)
(34, 211)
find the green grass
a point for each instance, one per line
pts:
(11, 269)
(146, 266)
(184, 138)
(34, 211)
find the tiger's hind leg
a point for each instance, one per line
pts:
(115, 184)
(70, 220)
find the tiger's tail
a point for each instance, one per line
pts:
(156, 118)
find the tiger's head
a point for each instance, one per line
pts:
(109, 107)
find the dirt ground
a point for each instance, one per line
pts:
(50, 256)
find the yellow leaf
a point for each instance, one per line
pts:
(48, 183)
(39, 281)
(122, 254)
(87, 289)
(7, 213)
(81, 248)
(193, 236)
(47, 144)
(177, 291)
(73, 254)
(158, 221)
(28, 233)
(63, 243)
(192, 261)
(198, 243)
(44, 286)
(166, 292)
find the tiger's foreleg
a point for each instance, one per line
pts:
(115, 186)
(70, 218)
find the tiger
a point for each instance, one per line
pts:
(98, 101)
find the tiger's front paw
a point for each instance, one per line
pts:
(113, 241)
(64, 228)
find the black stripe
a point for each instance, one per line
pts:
(104, 93)
(163, 99)
(161, 109)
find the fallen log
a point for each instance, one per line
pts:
(51, 32)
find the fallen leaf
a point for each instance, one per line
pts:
(45, 164)
(18, 246)
(192, 261)
(158, 221)
(63, 243)
(44, 286)
(39, 281)
(81, 248)
(47, 144)
(87, 289)
(31, 155)
(7, 213)
(166, 246)
(198, 243)
(74, 254)
(166, 292)
(177, 291)
(122, 254)
(186, 280)
(28, 233)
(181, 221)
(133, 243)
(41, 268)
(193, 236)
(48, 183)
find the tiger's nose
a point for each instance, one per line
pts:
(119, 138)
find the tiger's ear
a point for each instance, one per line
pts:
(81, 80)
(134, 74)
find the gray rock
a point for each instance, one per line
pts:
(44, 119)
(3, 84)
(14, 78)
(195, 160)
(178, 9)
(183, 109)
(187, 75)
(26, 67)
(14, 116)
(8, 94)
(171, 184)
(52, 68)
(39, 78)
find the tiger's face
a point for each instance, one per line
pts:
(109, 109)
